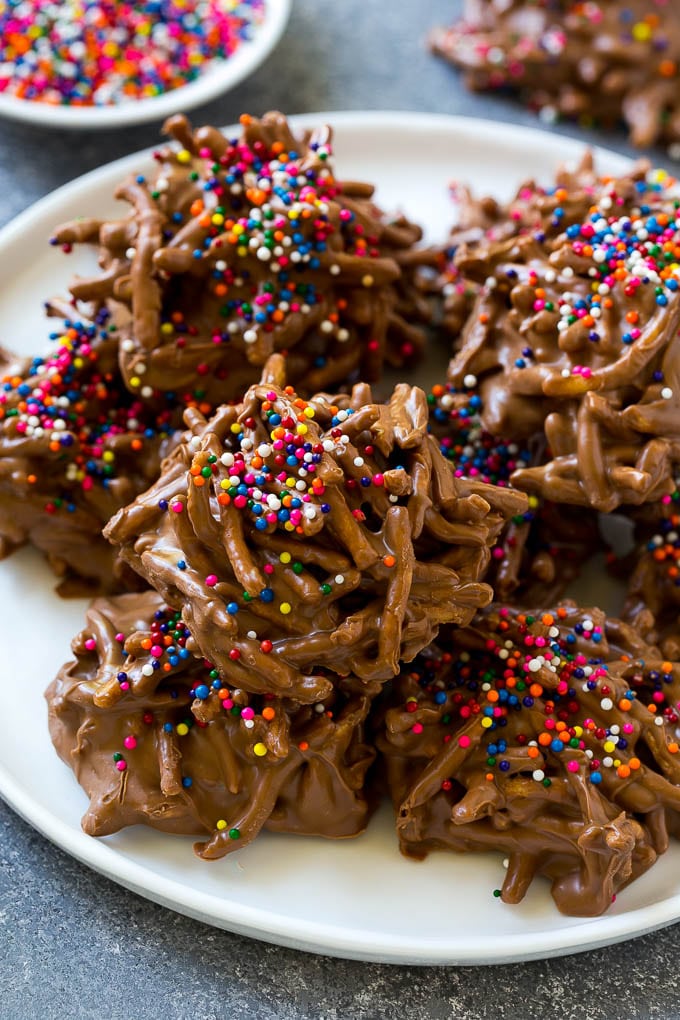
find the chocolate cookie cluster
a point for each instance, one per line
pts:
(598, 62)
(237, 247)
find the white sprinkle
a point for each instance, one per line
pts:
(606, 704)
(538, 775)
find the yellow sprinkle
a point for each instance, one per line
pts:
(237, 229)
(225, 483)
(609, 746)
(236, 428)
(309, 413)
(221, 824)
(108, 456)
(218, 219)
(367, 280)
(182, 729)
(302, 429)
(167, 328)
(285, 608)
(183, 156)
(260, 750)
(578, 731)
(78, 362)
(285, 557)
(289, 526)
(642, 32)
(135, 381)
(486, 722)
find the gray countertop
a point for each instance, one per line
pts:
(73, 944)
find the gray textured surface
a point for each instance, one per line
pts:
(73, 944)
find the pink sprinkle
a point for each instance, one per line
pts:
(247, 712)
(177, 507)
(573, 765)
(464, 741)
(130, 742)
(121, 765)
(211, 579)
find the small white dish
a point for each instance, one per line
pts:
(218, 78)
(353, 898)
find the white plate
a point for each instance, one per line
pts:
(221, 76)
(358, 898)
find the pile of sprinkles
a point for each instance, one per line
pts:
(102, 53)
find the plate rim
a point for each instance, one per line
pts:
(311, 935)
(223, 76)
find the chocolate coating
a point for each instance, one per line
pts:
(572, 334)
(540, 551)
(599, 62)
(549, 737)
(333, 531)
(157, 749)
(238, 247)
(75, 446)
